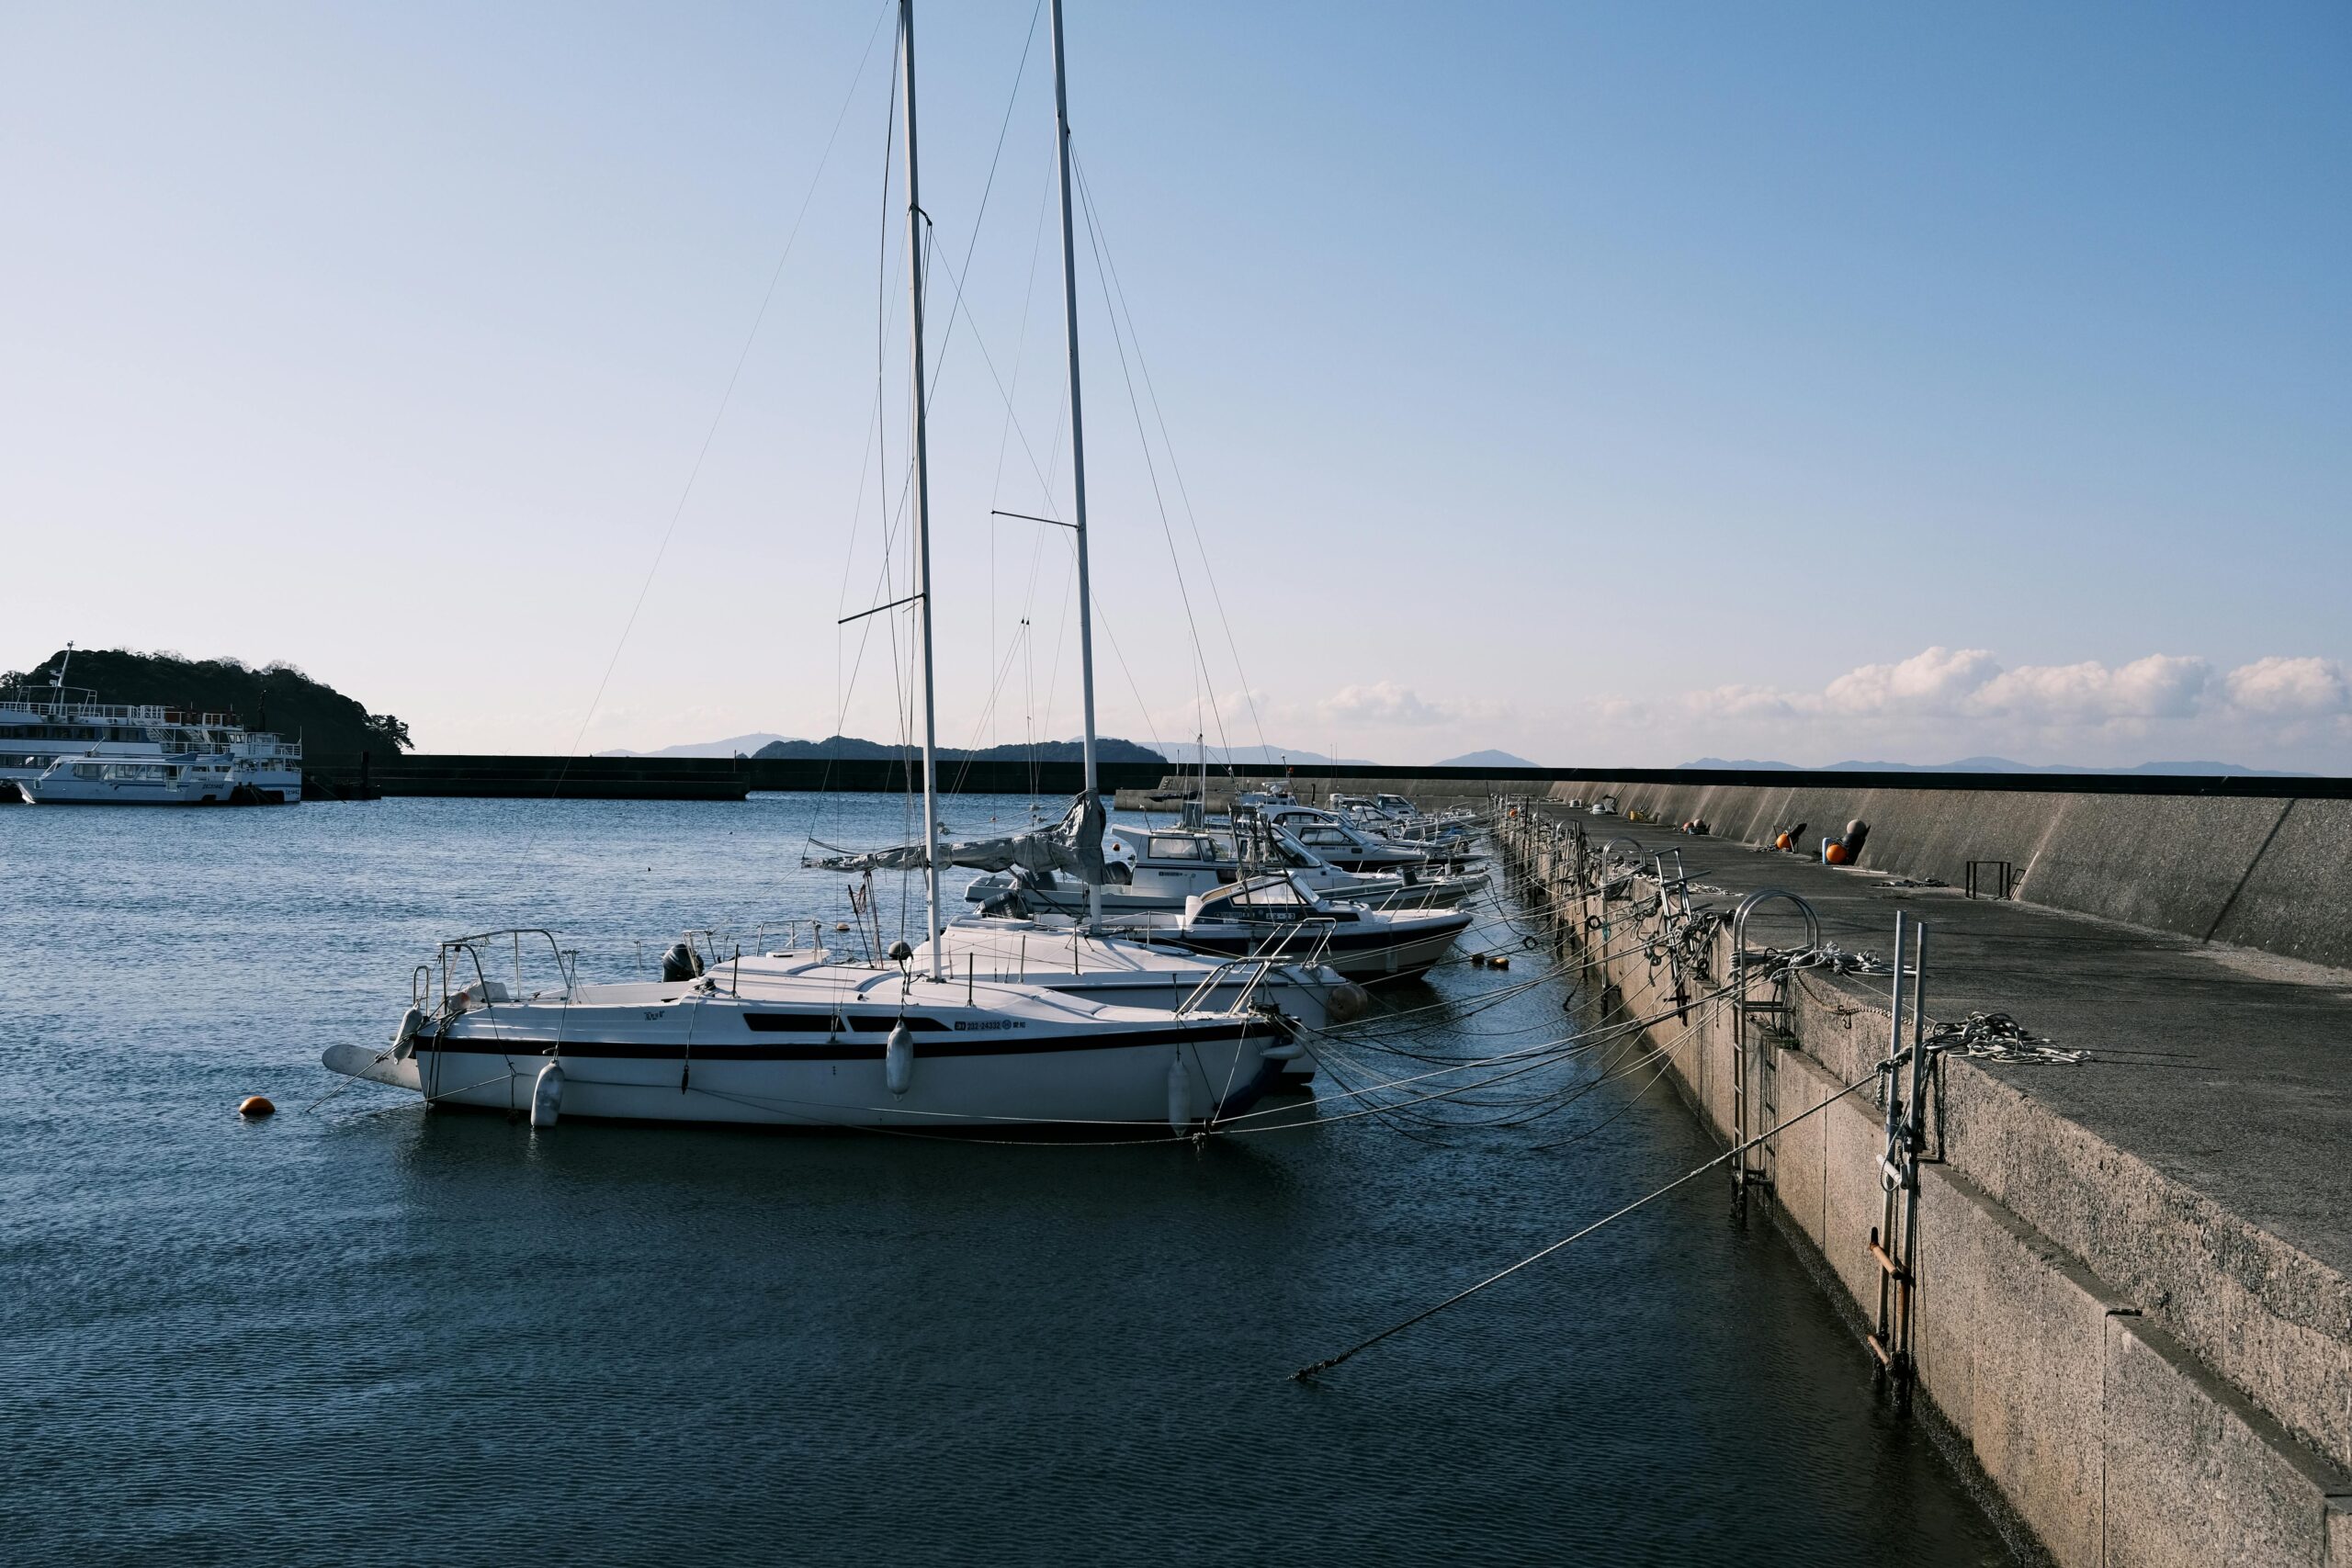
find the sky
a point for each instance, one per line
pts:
(1611, 384)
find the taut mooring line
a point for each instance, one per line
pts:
(1324, 1366)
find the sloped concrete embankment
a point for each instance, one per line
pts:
(2264, 872)
(2145, 1378)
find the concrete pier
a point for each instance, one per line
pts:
(2134, 1294)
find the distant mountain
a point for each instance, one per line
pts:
(1107, 748)
(1265, 756)
(276, 697)
(733, 746)
(1489, 758)
(2004, 765)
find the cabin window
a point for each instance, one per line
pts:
(1179, 848)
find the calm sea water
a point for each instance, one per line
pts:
(373, 1333)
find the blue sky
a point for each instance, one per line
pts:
(1614, 384)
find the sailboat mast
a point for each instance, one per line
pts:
(1076, 442)
(923, 504)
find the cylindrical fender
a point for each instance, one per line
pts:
(546, 1095)
(898, 1060)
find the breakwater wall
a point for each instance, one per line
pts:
(693, 778)
(2259, 862)
(2262, 863)
(2146, 1375)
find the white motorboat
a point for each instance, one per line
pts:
(1431, 885)
(1065, 956)
(59, 745)
(1393, 817)
(1154, 870)
(1272, 916)
(159, 778)
(1350, 847)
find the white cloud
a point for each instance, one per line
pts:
(1943, 701)
(1384, 702)
(2290, 687)
(2159, 686)
(1747, 701)
(1933, 681)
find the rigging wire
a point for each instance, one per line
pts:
(902, 662)
(1183, 590)
(1168, 444)
(694, 473)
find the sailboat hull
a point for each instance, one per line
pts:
(1112, 1088)
(721, 1059)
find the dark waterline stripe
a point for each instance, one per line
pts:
(1008, 1043)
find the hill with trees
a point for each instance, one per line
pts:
(277, 697)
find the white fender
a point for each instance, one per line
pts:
(404, 1037)
(898, 1060)
(1180, 1093)
(546, 1095)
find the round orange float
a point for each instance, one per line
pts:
(1784, 843)
(1836, 855)
(255, 1105)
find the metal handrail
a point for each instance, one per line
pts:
(473, 945)
(51, 706)
(1753, 1072)
(1264, 963)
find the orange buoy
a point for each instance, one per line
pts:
(1835, 853)
(257, 1105)
(1784, 843)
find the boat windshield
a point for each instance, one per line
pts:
(1259, 899)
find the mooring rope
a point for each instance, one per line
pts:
(1426, 1312)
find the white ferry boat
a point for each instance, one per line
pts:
(59, 745)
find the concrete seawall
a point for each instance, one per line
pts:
(2131, 1297)
(2258, 862)
(2270, 874)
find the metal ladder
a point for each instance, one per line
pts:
(1760, 1026)
(1893, 1243)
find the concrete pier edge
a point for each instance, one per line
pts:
(2113, 1439)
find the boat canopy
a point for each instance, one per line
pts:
(1074, 844)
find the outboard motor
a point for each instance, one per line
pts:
(681, 963)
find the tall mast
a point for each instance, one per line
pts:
(923, 506)
(1077, 436)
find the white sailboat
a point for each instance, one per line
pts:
(804, 1041)
(1081, 957)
